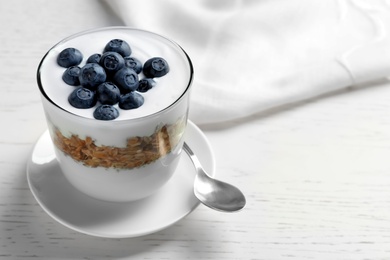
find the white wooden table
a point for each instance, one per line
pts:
(316, 174)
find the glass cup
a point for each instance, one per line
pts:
(125, 159)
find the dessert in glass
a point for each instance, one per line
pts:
(116, 100)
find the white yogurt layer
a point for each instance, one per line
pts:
(144, 46)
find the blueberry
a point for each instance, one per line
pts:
(69, 57)
(71, 76)
(112, 62)
(155, 67)
(108, 93)
(119, 46)
(145, 84)
(82, 98)
(92, 75)
(105, 112)
(131, 100)
(94, 58)
(134, 64)
(126, 79)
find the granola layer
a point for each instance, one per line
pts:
(139, 150)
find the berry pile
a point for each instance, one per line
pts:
(109, 78)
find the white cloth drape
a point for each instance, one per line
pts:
(253, 55)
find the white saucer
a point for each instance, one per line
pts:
(116, 220)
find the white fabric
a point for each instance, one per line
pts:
(253, 55)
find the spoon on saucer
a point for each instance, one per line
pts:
(213, 193)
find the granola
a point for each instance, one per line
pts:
(139, 150)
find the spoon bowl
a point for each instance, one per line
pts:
(213, 193)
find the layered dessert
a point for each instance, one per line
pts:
(116, 101)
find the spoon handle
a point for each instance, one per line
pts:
(194, 158)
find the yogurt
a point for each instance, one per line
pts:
(134, 155)
(167, 90)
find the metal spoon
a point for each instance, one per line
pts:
(214, 193)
